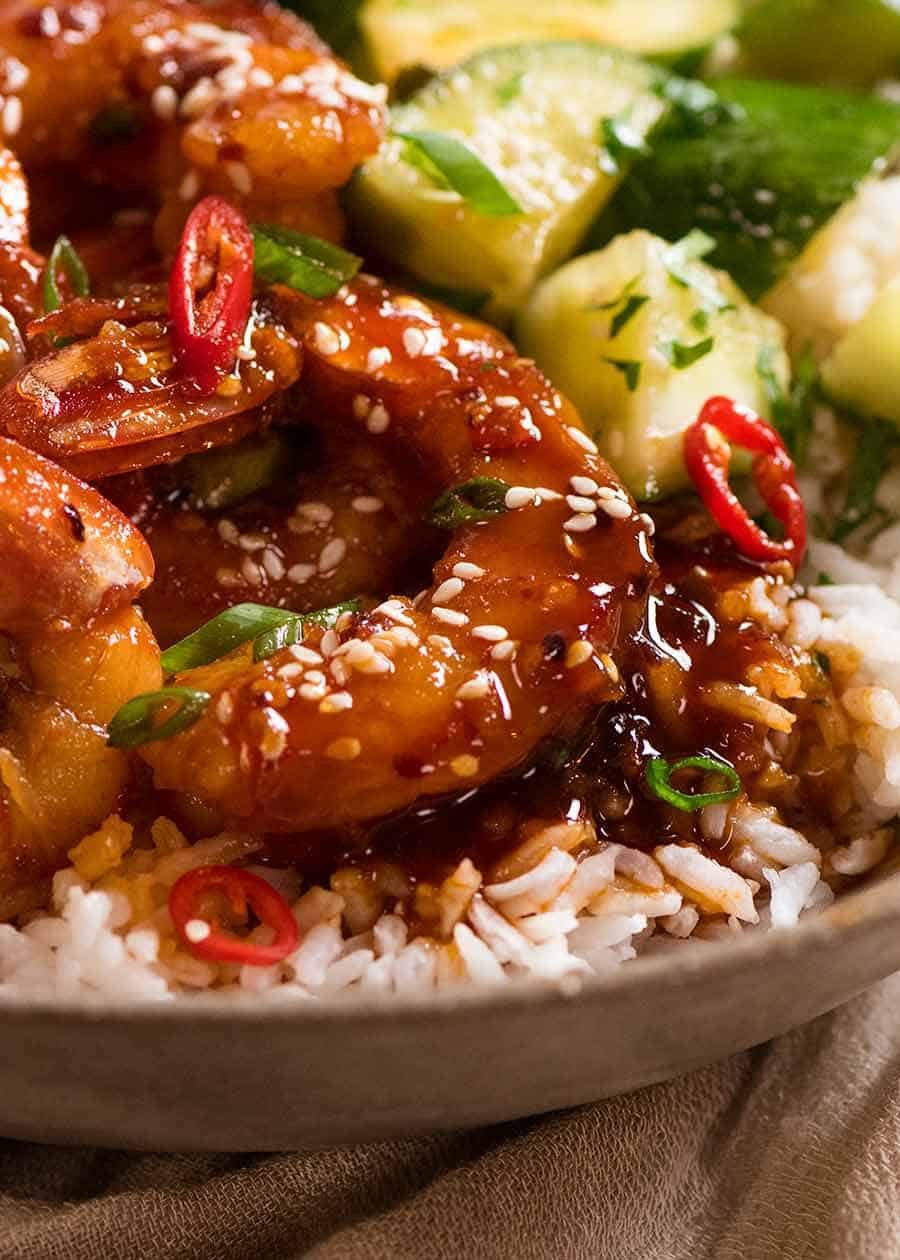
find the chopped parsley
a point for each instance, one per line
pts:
(682, 356)
(470, 502)
(632, 305)
(630, 369)
(452, 164)
(699, 320)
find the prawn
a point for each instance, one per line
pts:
(177, 99)
(74, 649)
(514, 639)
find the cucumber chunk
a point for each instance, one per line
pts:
(763, 181)
(862, 370)
(822, 41)
(398, 34)
(639, 335)
(534, 117)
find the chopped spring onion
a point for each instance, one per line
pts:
(133, 725)
(221, 635)
(457, 167)
(64, 256)
(304, 263)
(621, 143)
(295, 628)
(630, 369)
(471, 501)
(632, 305)
(682, 356)
(658, 774)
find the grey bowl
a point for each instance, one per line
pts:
(218, 1076)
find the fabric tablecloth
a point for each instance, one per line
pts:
(788, 1151)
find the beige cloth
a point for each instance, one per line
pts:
(787, 1152)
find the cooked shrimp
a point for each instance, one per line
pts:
(76, 649)
(20, 267)
(341, 525)
(111, 402)
(517, 634)
(178, 99)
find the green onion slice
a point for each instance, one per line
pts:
(221, 635)
(471, 501)
(295, 628)
(304, 263)
(133, 725)
(460, 169)
(64, 257)
(658, 774)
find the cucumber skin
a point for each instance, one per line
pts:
(711, 180)
(822, 41)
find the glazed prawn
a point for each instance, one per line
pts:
(74, 649)
(176, 99)
(514, 639)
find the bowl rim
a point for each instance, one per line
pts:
(859, 909)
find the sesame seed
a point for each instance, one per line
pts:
(414, 342)
(377, 663)
(164, 102)
(395, 611)
(580, 503)
(12, 116)
(474, 688)
(251, 542)
(450, 616)
(648, 523)
(259, 77)
(151, 44)
(503, 651)
(362, 405)
(189, 186)
(339, 672)
(543, 495)
(467, 571)
(413, 305)
(582, 439)
(315, 678)
(329, 643)
(493, 634)
(252, 571)
(578, 652)
(224, 708)
(618, 509)
(344, 749)
(583, 485)
(325, 338)
(228, 531)
(379, 419)
(367, 503)
(196, 930)
(239, 174)
(519, 497)
(337, 702)
(448, 590)
(378, 357)
(318, 513)
(199, 98)
(506, 400)
(289, 671)
(580, 523)
(300, 573)
(610, 666)
(311, 691)
(274, 740)
(332, 554)
(465, 766)
(292, 85)
(305, 655)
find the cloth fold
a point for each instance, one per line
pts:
(788, 1151)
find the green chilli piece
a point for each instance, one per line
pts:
(303, 263)
(658, 774)
(133, 724)
(295, 628)
(471, 501)
(216, 638)
(462, 170)
(64, 256)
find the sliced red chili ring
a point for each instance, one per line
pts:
(242, 889)
(707, 458)
(210, 290)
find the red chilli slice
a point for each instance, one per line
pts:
(707, 458)
(242, 889)
(210, 290)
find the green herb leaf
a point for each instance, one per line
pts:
(304, 263)
(507, 91)
(682, 356)
(792, 410)
(699, 321)
(216, 638)
(632, 305)
(475, 500)
(679, 262)
(658, 775)
(64, 256)
(115, 124)
(133, 725)
(620, 297)
(462, 170)
(296, 628)
(868, 466)
(630, 369)
(622, 143)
